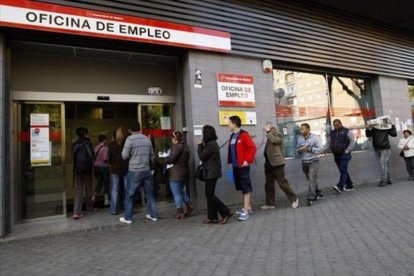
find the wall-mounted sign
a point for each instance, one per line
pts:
(39, 119)
(165, 123)
(54, 18)
(154, 91)
(235, 90)
(247, 117)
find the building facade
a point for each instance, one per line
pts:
(178, 65)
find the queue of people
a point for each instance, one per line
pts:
(128, 163)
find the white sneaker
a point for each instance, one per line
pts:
(295, 203)
(267, 207)
(148, 216)
(107, 202)
(239, 212)
(123, 220)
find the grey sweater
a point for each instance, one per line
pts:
(138, 149)
(315, 147)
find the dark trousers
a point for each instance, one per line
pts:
(82, 182)
(102, 176)
(409, 163)
(278, 174)
(214, 204)
(342, 162)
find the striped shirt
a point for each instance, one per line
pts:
(138, 150)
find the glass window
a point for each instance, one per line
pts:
(411, 91)
(318, 99)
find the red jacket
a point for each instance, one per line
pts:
(245, 149)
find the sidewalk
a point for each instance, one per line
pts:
(365, 232)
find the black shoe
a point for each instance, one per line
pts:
(389, 182)
(309, 202)
(319, 196)
(337, 189)
(382, 184)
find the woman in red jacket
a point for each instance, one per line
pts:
(241, 155)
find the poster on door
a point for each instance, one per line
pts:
(248, 118)
(40, 147)
(235, 90)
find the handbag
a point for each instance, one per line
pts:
(199, 173)
(402, 152)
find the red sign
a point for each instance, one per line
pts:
(53, 18)
(235, 90)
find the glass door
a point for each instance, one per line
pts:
(157, 123)
(40, 172)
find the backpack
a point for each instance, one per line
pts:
(82, 158)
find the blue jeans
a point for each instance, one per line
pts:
(115, 189)
(384, 159)
(180, 196)
(342, 162)
(135, 180)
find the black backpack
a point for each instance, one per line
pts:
(82, 158)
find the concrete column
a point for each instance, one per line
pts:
(391, 98)
(201, 105)
(2, 135)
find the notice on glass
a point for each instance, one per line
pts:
(38, 119)
(40, 147)
(165, 123)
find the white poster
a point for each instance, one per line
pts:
(40, 147)
(165, 123)
(39, 119)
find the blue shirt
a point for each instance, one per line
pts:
(233, 151)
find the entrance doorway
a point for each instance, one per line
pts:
(46, 189)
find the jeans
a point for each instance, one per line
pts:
(102, 175)
(82, 182)
(342, 162)
(409, 164)
(214, 204)
(135, 180)
(115, 190)
(278, 174)
(311, 172)
(180, 196)
(384, 159)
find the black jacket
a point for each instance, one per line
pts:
(209, 154)
(118, 164)
(380, 137)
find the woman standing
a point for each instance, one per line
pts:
(101, 169)
(209, 154)
(407, 146)
(178, 173)
(119, 168)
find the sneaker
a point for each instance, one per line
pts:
(107, 202)
(295, 204)
(411, 178)
(244, 216)
(382, 184)
(239, 212)
(349, 189)
(337, 189)
(77, 216)
(123, 220)
(148, 216)
(389, 182)
(267, 207)
(309, 202)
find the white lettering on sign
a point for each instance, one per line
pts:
(235, 90)
(54, 18)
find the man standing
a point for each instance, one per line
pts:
(241, 155)
(382, 148)
(310, 146)
(407, 146)
(138, 149)
(341, 143)
(275, 168)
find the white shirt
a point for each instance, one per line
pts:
(410, 143)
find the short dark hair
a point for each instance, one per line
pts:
(337, 121)
(135, 126)
(82, 132)
(235, 120)
(408, 131)
(209, 134)
(101, 138)
(305, 125)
